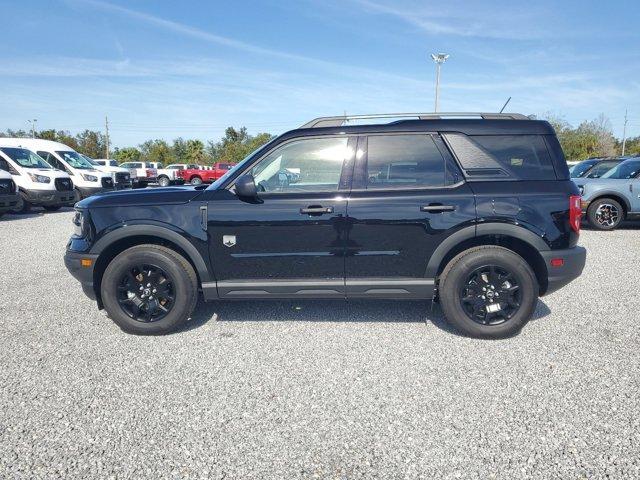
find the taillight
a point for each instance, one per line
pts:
(575, 213)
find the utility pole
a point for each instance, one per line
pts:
(106, 127)
(439, 59)
(33, 127)
(624, 132)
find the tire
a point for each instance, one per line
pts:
(164, 181)
(52, 208)
(507, 320)
(180, 278)
(196, 181)
(605, 214)
(23, 206)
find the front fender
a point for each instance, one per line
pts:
(179, 238)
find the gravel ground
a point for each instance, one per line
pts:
(315, 389)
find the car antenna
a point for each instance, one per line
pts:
(505, 104)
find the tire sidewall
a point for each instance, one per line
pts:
(23, 206)
(182, 283)
(196, 181)
(164, 182)
(457, 277)
(591, 213)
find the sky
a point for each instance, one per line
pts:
(164, 69)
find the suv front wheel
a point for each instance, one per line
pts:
(488, 292)
(149, 290)
(605, 214)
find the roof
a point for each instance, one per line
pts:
(34, 144)
(466, 126)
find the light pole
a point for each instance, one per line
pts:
(439, 58)
(33, 127)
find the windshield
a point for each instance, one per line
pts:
(240, 165)
(601, 168)
(580, 169)
(25, 158)
(92, 161)
(75, 160)
(625, 170)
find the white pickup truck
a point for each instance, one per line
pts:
(146, 173)
(167, 176)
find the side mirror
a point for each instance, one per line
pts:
(246, 186)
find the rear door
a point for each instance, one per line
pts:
(291, 240)
(408, 197)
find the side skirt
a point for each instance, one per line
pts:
(375, 288)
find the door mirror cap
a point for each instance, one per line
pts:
(246, 186)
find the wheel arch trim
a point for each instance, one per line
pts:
(601, 194)
(146, 230)
(491, 228)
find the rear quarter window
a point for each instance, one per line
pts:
(518, 157)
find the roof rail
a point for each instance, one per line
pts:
(342, 119)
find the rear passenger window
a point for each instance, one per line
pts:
(524, 157)
(405, 161)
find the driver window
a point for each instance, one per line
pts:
(312, 165)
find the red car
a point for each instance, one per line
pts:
(196, 176)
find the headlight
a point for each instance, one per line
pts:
(39, 178)
(79, 224)
(89, 178)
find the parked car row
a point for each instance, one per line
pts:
(609, 189)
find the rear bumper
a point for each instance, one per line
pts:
(73, 262)
(50, 197)
(8, 202)
(573, 264)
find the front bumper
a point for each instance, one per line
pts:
(573, 263)
(50, 197)
(8, 202)
(88, 191)
(84, 274)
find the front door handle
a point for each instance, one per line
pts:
(437, 208)
(316, 210)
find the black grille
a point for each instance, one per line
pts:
(107, 182)
(7, 186)
(64, 184)
(122, 177)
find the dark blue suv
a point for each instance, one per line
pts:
(475, 211)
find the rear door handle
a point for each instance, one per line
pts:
(434, 208)
(316, 210)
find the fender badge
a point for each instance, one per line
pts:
(228, 240)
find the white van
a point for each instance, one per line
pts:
(38, 183)
(86, 179)
(121, 176)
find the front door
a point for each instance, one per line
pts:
(291, 241)
(407, 198)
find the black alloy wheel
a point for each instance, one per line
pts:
(491, 295)
(146, 293)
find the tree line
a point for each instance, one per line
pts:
(231, 148)
(592, 138)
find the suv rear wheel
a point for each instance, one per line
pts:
(488, 292)
(605, 214)
(149, 290)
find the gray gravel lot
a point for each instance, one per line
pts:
(315, 389)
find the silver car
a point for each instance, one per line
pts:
(614, 197)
